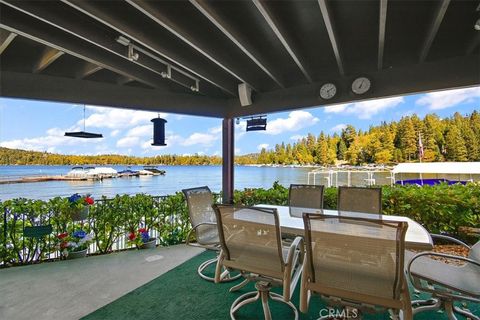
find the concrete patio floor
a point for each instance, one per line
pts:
(74, 288)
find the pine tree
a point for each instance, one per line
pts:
(342, 149)
(348, 135)
(407, 140)
(455, 145)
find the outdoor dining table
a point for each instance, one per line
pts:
(291, 222)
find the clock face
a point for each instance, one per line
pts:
(361, 85)
(328, 91)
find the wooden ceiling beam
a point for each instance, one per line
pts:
(382, 22)
(164, 21)
(432, 32)
(49, 55)
(5, 39)
(276, 30)
(207, 11)
(332, 34)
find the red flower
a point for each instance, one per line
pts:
(63, 245)
(131, 236)
(142, 230)
(62, 235)
(89, 200)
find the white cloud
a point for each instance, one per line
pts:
(448, 98)
(237, 151)
(215, 130)
(365, 109)
(116, 118)
(297, 137)
(114, 133)
(198, 138)
(128, 142)
(296, 120)
(262, 146)
(338, 127)
(140, 131)
(54, 138)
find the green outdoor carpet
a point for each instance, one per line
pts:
(182, 294)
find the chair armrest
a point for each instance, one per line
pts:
(194, 228)
(296, 244)
(451, 239)
(291, 274)
(443, 255)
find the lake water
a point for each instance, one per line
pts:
(176, 178)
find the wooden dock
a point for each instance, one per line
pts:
(42, 179)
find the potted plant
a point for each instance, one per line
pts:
(141, 239)
(79, 206)
(74, 245)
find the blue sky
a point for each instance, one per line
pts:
(40, 125)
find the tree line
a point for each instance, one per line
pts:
(456, 138)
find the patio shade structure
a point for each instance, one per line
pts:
(190, 57)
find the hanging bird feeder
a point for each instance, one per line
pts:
(83, 134)
(159, 131)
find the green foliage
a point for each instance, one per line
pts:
(277, 195)
(439, 208)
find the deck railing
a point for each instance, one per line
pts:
(108, 220)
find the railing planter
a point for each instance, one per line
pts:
(150, 244)
(77, 254)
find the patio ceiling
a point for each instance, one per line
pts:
(285, 50)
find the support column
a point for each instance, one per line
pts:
(228, 152)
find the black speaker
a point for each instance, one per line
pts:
(159, 132)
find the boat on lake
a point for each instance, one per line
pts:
(92, 173)
(128, 173)
(153, 170)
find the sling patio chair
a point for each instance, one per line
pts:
(446, 282)
(204, 225)
(305, 196)
(251, 243)
(360, 199)
(355, 263)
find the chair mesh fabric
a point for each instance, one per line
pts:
(250, 239)
(306, 196)
(360, 199)
(356, 256)
(199, 202)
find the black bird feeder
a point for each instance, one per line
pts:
(159, 132)
(257, 123)
(83, 134)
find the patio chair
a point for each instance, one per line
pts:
(251, 244)
(447, 282)
(355, 263)
(305, 196)
(359, 199)
(204, 225)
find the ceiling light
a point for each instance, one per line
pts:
(477, 25)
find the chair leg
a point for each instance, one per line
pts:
(426, 305)
(449, 309)
(240, 285)
(209, 262)
(266, 309)
(263, 293)
(465, 313)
